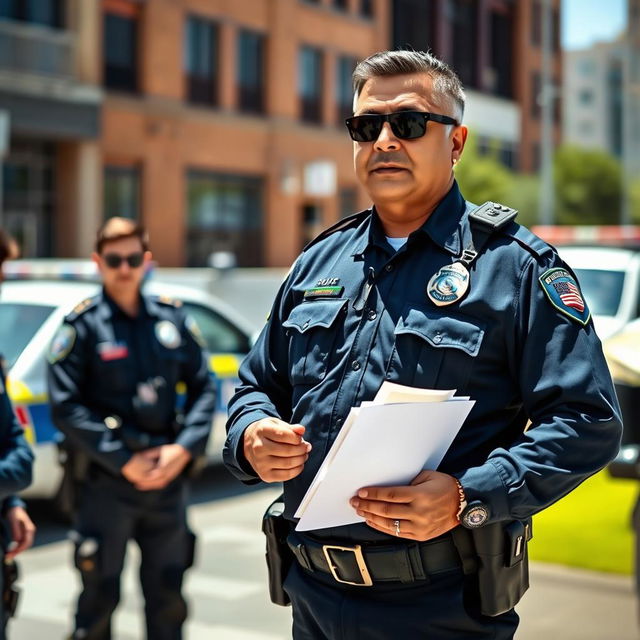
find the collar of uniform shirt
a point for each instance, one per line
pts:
(444, 225)
(110, 308)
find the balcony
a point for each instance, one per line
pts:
(34, 50)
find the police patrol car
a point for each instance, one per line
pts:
(33, 302)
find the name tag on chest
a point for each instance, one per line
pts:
(112, 351)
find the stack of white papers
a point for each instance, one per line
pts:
(385, 442)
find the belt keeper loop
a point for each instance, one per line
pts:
(302, 556)
(415, 558)
(405, 568)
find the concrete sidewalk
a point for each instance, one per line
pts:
(573, 604)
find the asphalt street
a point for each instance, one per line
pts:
(227, 587)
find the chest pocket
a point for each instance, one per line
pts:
(312, 328)
(435, 350)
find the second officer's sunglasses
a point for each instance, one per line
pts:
(406, 125)
(114, 260)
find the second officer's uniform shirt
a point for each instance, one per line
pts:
(353, 313)
(106, 364)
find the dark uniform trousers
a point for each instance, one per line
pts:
(442, 607)
(110, 512)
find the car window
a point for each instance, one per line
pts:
(220, 335)
(602, 290)
(19, 324)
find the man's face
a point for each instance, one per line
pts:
(118, 275)
(415, 172)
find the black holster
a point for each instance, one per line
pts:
(497, 553)
(279, 557)
(10, 590)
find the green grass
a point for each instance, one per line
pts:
(589, 528)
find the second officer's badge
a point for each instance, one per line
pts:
(448, 284)
(168, 334)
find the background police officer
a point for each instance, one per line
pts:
(425, 292)
(16, 462)
(115, 363)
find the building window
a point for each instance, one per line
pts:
(251, 72)
(585, 96)
(344, 93)
(120, 52)
(310, 84)
(225, 213)
(536, 23)
(615, 93)
(501, 57)
(30, 195)
(366, 8)
(122, 192)
(537, 16)
(48, 13)
(536, 94)
(413, 25)
(465, 47)
(201, 61)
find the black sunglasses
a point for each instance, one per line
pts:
(114, 260)
(406, 125)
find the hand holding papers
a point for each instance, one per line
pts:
(382, 443)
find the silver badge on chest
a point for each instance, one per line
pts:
(167, 334)
(448, 285)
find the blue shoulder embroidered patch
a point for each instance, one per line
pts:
(564, 294)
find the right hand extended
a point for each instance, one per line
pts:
(275, 449)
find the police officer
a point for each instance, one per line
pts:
(16, 462)
(114, 366)
(420, 291)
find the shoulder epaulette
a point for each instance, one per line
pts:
(346, 223)
(528, 240)
(82, 307)
(493, 215)
(171, 302)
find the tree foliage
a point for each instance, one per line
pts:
(483, 177)
(588, 185)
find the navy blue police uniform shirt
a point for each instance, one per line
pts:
(508, 344)
(104, 363)
(16, 457)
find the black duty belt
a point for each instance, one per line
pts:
(365, 565)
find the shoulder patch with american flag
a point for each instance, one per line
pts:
(564, 294)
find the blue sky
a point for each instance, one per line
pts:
(585, 21)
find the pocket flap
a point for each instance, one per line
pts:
(316, 313)
(450, 331)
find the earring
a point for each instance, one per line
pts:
(454, 161)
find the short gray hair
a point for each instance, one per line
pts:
(401, 62)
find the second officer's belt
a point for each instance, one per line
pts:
(365, 565)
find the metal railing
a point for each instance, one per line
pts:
(36, 50)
